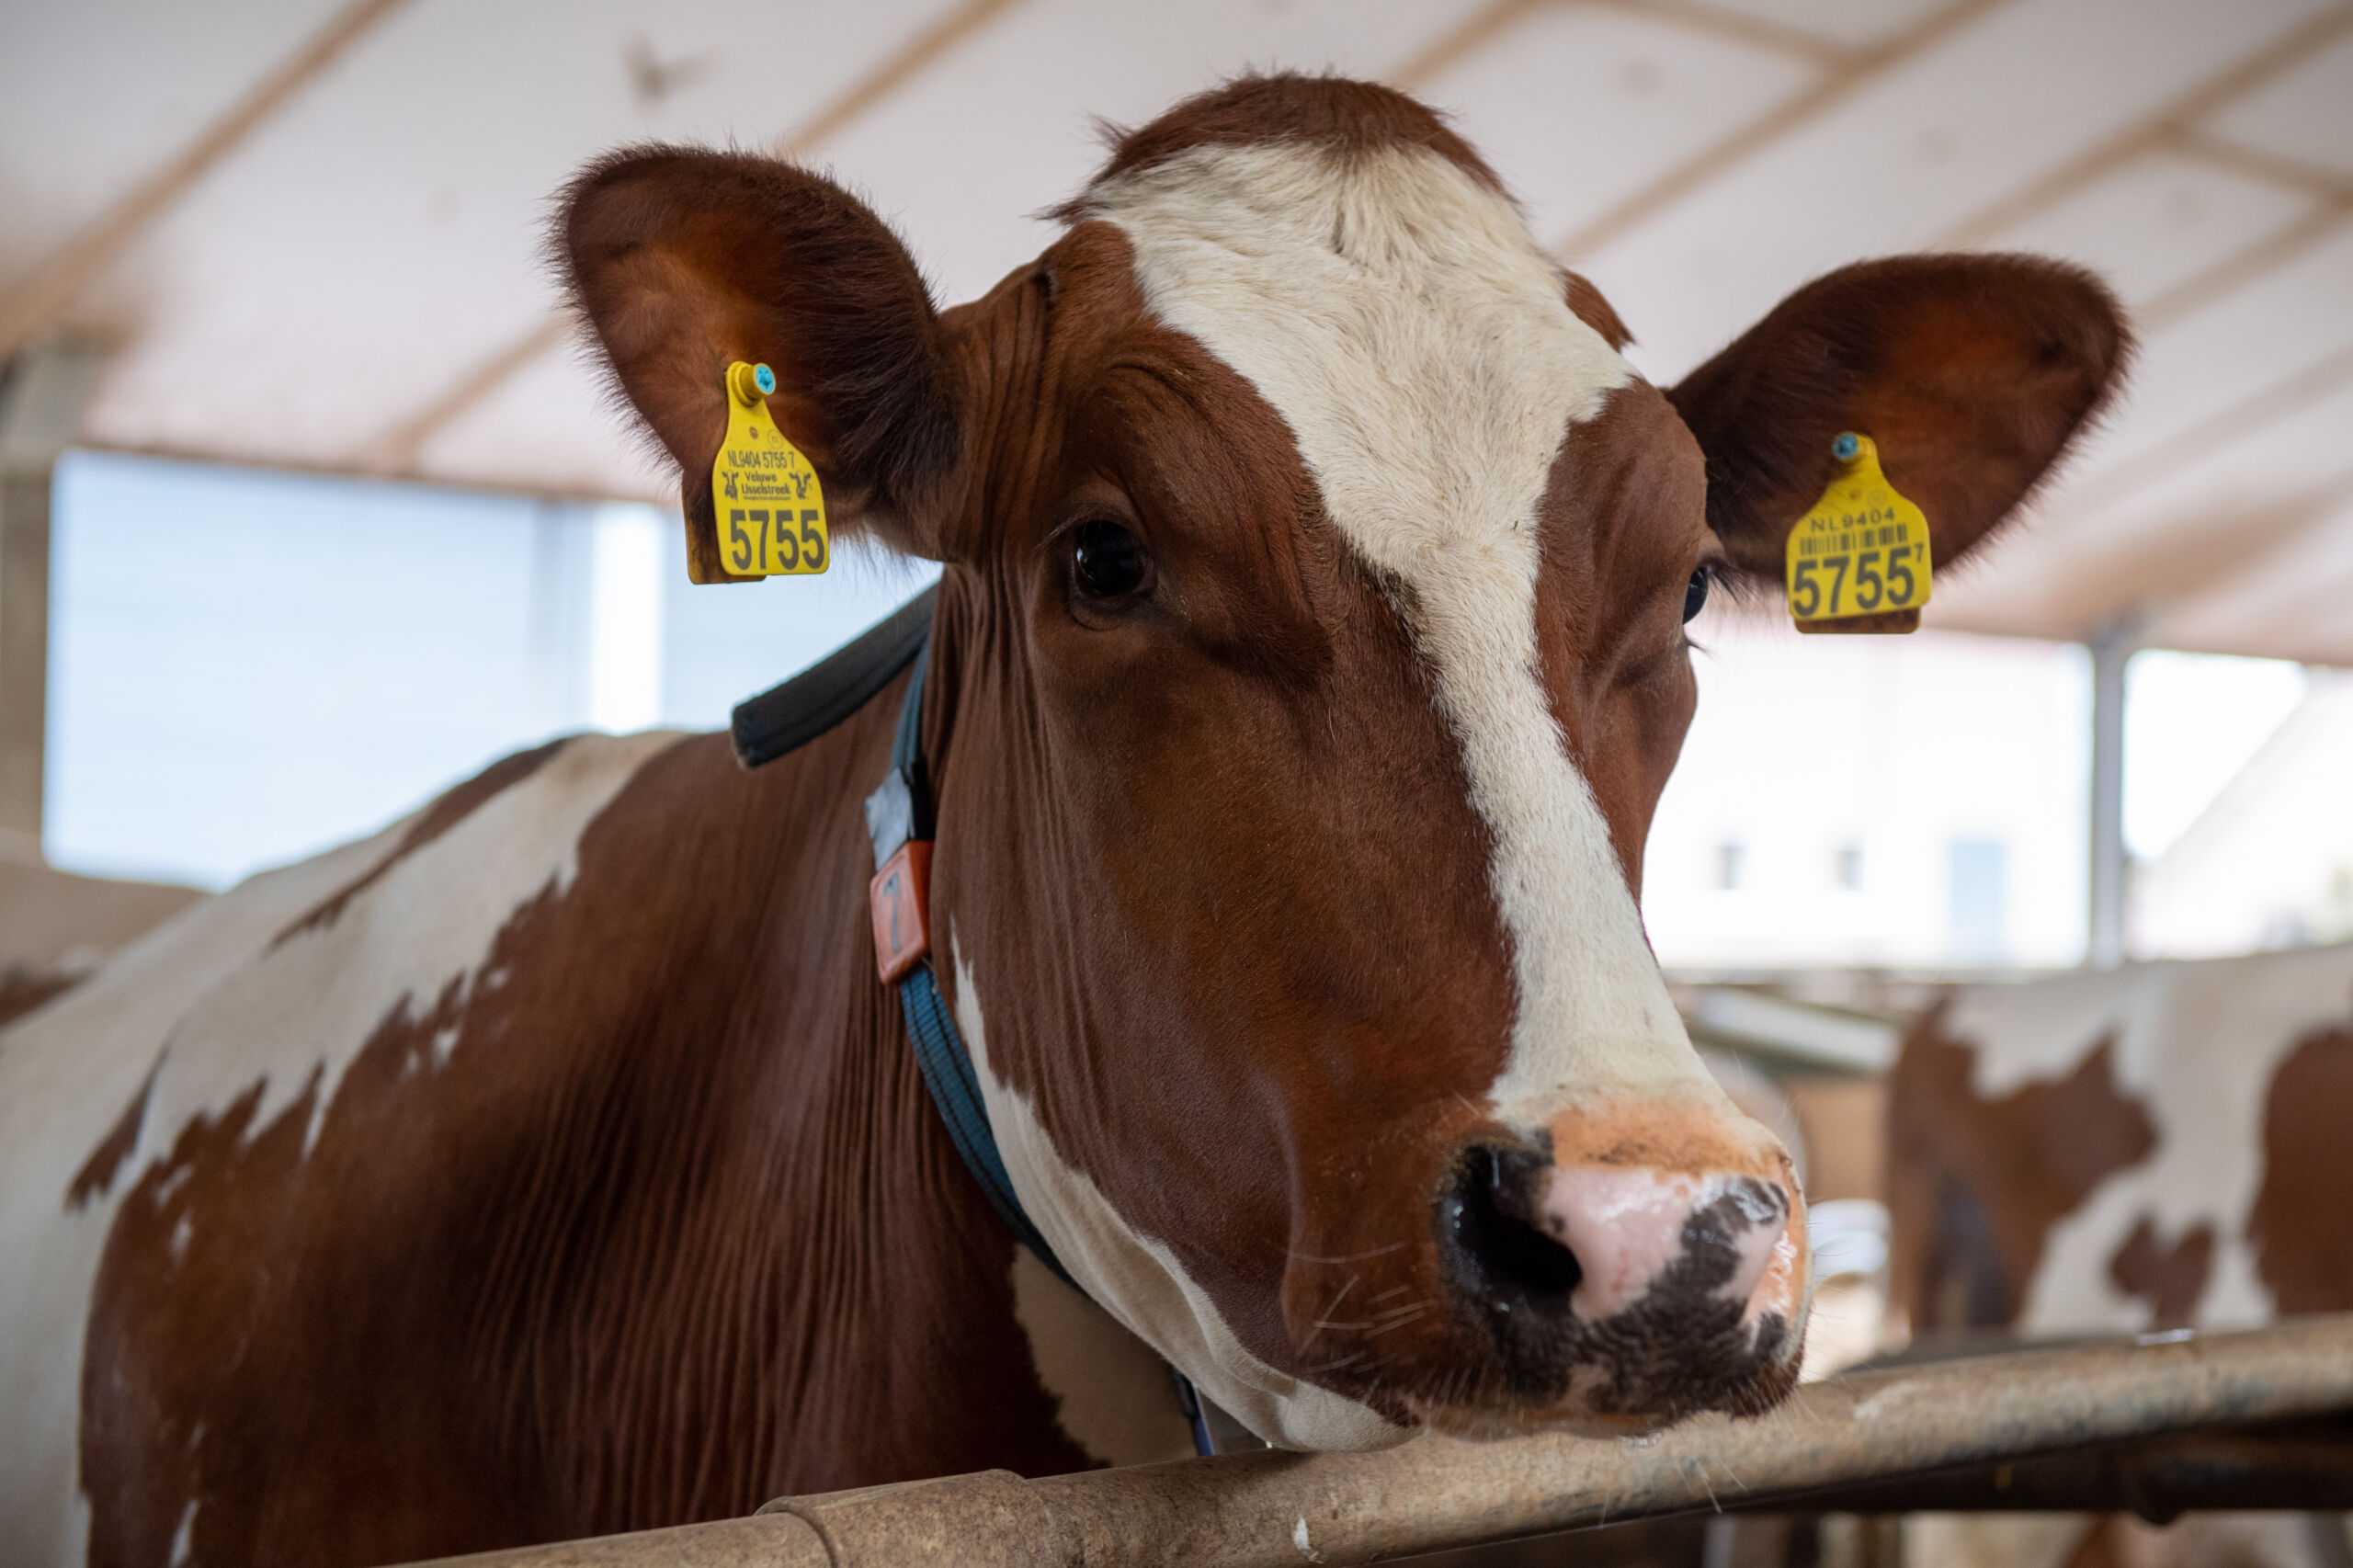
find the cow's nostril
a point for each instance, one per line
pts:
(1492, 1217)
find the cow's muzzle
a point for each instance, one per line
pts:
(1621, 1293)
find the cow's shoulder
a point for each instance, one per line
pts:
(243, 1011)
(278, 982)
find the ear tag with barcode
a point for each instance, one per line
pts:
(764, 495)
(1858, 561)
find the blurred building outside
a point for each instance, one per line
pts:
(1920, 803)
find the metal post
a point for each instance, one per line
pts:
(2111, 650)
(40, 408)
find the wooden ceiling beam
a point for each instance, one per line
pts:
(1840, 82)
(2258, 163)
(2291, 395)
(2074, 583)
(2185, 558)
(1459, 42)
(2243, 266)
(394, 450)
(1737, 26)
(946, 33)
(1491, 22)
(37, 300)
(2153, 129)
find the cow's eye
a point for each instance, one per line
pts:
(1107, 562)
(1695, 594)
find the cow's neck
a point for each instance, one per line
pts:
(823, 1299)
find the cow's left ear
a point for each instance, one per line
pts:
(683, 261)
(1971, 373)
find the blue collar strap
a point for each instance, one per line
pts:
(899, 819)
(900, 822)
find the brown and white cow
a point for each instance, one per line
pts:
(2154, 1147)
(1309, 659)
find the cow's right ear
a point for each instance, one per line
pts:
(683, 261)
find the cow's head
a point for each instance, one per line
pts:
(1310, 660)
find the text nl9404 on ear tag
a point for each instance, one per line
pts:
(764, 496)
(1858, 561)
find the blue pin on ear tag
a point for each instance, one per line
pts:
(765, 495)
(1858, 560)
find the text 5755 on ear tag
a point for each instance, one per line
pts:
(1858, 560)
(765, 495)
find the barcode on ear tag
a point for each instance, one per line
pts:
(765, 495)
(1858, 560)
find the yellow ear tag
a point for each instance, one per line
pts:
(1858, 561)
(770, 507)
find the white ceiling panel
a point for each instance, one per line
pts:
(2158, 222)
(1914, 153)
(551, 427)
(2197, 520)
(2258, 337)
(95, 95)
(2303, 114)
(1579, 108)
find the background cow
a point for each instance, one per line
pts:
(1308, 662)
(2158, 1146)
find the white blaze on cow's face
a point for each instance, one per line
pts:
(1423, 352)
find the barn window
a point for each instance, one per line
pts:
(1977, 896)
(248, 666)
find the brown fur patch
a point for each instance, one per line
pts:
(1975, 1186)
(1586, 303)
(23, 990)
(2169, 1278)
(95, 1177)
(1351, 118)
(2302, 1244)
(1621, 536)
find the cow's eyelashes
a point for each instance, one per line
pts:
(1108, 564)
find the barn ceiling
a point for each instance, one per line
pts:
(309, 230)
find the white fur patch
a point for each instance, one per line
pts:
(213, 1008)
(1139, 1280)
(1420, 346)
(2197, 1044)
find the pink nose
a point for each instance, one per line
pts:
(1588, 1243)
(1633, 1230)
